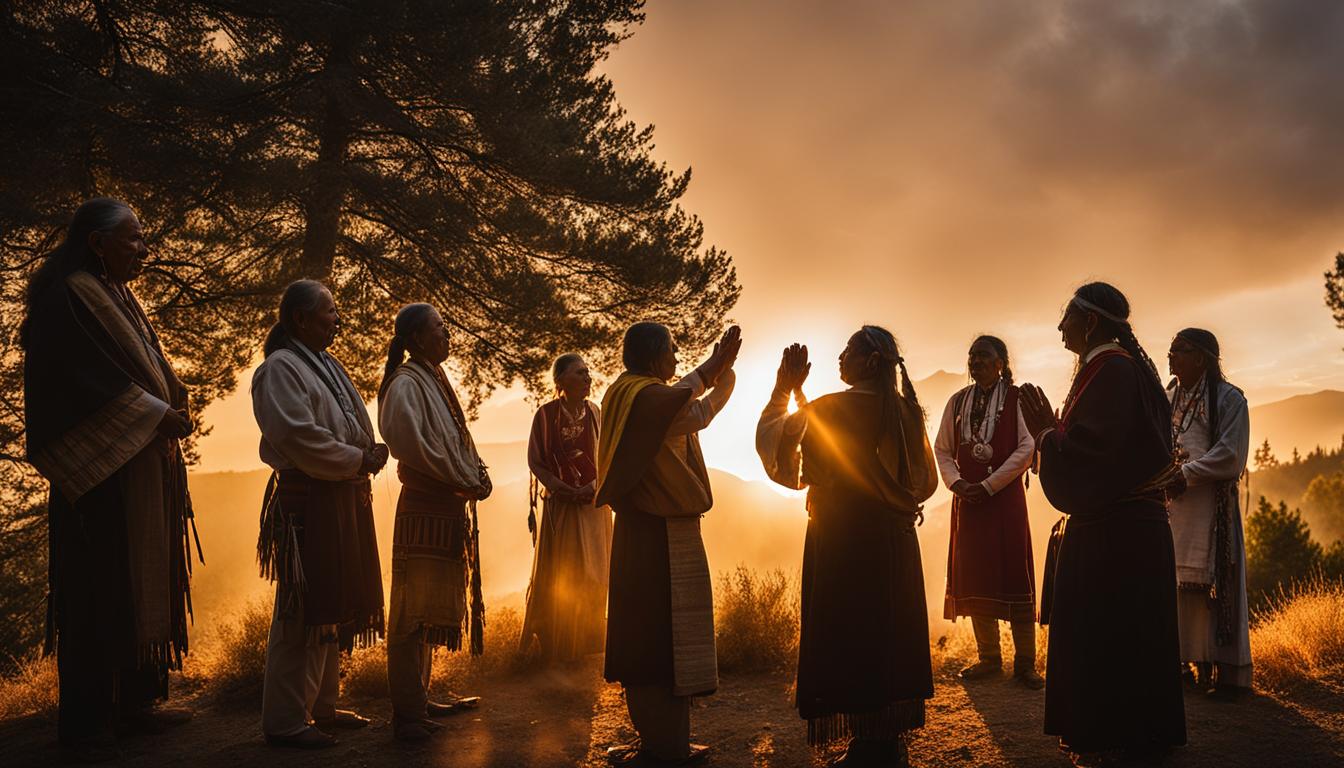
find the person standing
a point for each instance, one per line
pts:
(1211, 425)
(567, 597)
(864, 670)
(104, 415)
(317, 538)
(1112, 678)
(983, 450)
(660, 626)
(435, 563)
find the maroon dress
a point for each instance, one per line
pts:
(990, 572)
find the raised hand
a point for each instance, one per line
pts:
(723, 357)
(793, 368)
(1036, 410)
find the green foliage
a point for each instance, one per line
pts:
(468, 154)
(756, 620)
(1334, 290)
(1264, 457)
(1324, 502)
(1279, 550)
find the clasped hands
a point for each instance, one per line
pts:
(722, 358)
(971, 493)
(793, 370)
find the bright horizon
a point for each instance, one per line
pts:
(943, 173)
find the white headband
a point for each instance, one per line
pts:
(1085, 304)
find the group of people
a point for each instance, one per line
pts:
(1144, 575)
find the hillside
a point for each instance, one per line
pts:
(1303, 422)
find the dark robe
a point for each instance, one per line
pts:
(118, 602)
(1112, 669)
(863, 655)
(989, 562)
(639, 604)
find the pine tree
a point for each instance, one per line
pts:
(1264, 457)
(1279, 550)
(466, 153)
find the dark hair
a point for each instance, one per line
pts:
(99, 214)
(642, 344)
(299, 296)
(1113, 302)
(1001, 350)
(410, 320)
(878, 339)
(1206, 344)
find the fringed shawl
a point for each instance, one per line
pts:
(97, 386)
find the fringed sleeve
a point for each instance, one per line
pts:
(778, 438)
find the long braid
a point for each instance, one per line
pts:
(1124, 336)
(410, 319)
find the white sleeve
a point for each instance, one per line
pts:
(945, 445)
(779, 433)
(403, 420)
(700, 411)
(283, 409)
(1226, 458)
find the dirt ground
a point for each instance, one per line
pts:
(569, 718)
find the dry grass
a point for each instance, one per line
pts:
(31, 689)
(1299, 638)
(231, 659)
(364, 672)
(756, 620)
(955, 649)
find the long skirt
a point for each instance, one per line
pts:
(989, 562)
(93, 615)
(1112, 672)
(863, 658)
(567, 599)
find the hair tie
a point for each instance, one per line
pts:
(1085, 304)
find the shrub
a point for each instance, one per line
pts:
(231, 661)
(364, 672)
(1279, 551)
(756, 620)
(32, 688)
(1299, 638)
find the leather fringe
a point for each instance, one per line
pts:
(477, 601)
(278, 556)
(886, 724)
(445, 637)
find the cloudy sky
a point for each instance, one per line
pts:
(948, 168)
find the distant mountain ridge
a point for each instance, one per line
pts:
(1302, 422)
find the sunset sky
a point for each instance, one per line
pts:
(949, 168)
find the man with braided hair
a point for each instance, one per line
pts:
(1211, 426)
(1112, 678)
(983, 451)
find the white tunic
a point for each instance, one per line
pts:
(304, 425)
(1210, 462)
(415, 420)
(945, 446)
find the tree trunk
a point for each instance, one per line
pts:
(327, 185)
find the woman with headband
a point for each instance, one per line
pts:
(863, 654)
(1211, 426)
(1112, 680)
